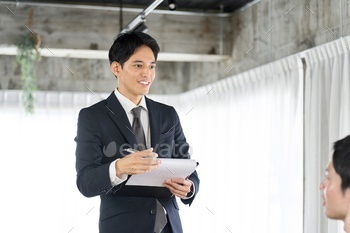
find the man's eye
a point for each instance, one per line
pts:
(153, 67)
(138, 65)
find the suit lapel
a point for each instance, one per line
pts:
(155, 121)
(118, 115)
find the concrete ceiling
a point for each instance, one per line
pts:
(213, 6)
(215, 43)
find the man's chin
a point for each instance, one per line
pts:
(333, 216)
(144, 92)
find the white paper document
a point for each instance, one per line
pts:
(168, 169)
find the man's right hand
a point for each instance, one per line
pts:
(137, 163)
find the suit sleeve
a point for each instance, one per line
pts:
(181, 150)
(92, 176)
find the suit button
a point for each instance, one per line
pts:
(152, 211)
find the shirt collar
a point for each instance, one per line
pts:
(127, 104)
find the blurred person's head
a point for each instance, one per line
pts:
(336, 185)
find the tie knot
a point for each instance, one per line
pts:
(136, 111)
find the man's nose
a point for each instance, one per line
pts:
(146, 71)
(322, 185)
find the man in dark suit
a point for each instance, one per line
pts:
(106, 131)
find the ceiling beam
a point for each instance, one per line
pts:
(103, 54)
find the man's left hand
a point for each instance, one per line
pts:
(178, 186)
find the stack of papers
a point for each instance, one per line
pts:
(168, 169)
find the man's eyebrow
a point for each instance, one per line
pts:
(139, 61)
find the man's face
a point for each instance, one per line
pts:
(136, 76)
(335, 202)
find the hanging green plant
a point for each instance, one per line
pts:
(27, 55)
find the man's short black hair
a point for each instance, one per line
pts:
(126, 44)
(341, 161)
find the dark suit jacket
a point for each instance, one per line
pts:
(103, 132)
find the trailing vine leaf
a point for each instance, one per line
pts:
(27, 55)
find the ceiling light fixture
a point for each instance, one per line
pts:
(172, 5)
(141, 18)
(141, 28)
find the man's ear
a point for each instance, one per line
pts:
(116, 68)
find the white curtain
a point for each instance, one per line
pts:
(245, 131)
(327, 119)
(38, 165)
(247, 134)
